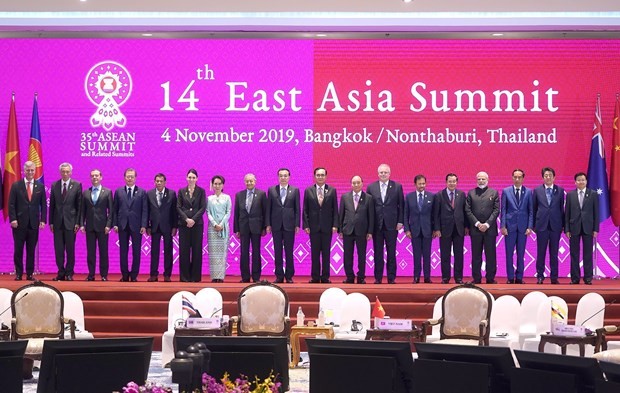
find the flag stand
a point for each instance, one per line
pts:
(617, 276)
(596, 275)
(36, 260)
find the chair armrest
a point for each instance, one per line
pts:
(426, 324)
(71, 323)
(234, 321)
(13, 329)
(483, 340)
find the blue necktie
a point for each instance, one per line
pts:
(95, 194)
(549, 196)
(282, 194)
(420, 200)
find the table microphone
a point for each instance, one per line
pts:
(598, 312)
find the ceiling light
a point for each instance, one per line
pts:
(407, 1)
(497, 34)
(321, 35)
(147, 34)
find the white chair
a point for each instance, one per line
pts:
(331, 303)
(434, 336)
(209, 302)
(355, 307)
(543, 325)
(591, 314)
(5, 306)
(505, 318)
(74, 309)
(528, 315)
(176, 314)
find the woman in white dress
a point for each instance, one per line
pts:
(219, 207)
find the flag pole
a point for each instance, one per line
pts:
(596, 275)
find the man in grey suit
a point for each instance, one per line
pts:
(582, 224)
(96, 223)
(419, 227)
(389, 219)
(27, 215)
(482, 209)
(130, 221)
(517, 221)
(283, 218)
(320, 221)
(163, 223)
(249, 225)
(356, 222)
(65, 210)
(451, 227)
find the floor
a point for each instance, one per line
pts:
(299, 377)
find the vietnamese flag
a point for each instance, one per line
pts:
(377, 310)
(614, 187)
(12, 162)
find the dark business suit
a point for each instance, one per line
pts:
(29, 214)
(250, 226)
(451, 222)
(517, 216)
(64, 215)
(548, 225)
(283, 218)
(130, 215)
(96, 217)
(581, 223)
(190, 239)
(320, 219)
(388, 214)
(163, 219)
(482, 205)
(419, 221)
(355, 225)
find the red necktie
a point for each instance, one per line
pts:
(29, 190)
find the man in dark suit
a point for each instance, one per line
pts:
(419, 227)
(249, 225)
(27, 215)
(517, 221)
(356, 223)
(451, 227)
(389, 218)
(582, 224)
(96, 216)
(548, 202)
(283, 217)
(320, 221)
(163, 223)
(65, 210)
(482, 209)
(130, 221)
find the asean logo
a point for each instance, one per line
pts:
(108, 86)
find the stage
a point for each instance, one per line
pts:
(116, 309)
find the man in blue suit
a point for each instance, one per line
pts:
(548, 224)
(517, 221)
(130, 221)
(419, 228)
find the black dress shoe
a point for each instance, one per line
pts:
(416, 280)
(477, 281)
(279, 280)
(573, 282)
(289, 281)
(361, 280)
(428, 281)
(587, 282)
(69, 278)
(377, 281)
(326, 281)
(491, 282)
(152, 279)
(124, 279)
(90, 278)
(540, 280)
(519, 281)
(104, 278)
(244, 281)
(58, 278)
(134, 279)
(314, 281)
(509, 281)
(391, 281)
(444, 281)
(348, 281)
(29, 277)
(167, 279)
(555, 282)
(458, 281)
(18, 278)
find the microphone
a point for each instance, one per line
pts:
(598, 312)
(9, 307)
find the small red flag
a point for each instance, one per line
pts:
(377, 310)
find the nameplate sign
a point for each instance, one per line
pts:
(203, 323)
(559, 329)
(392, 324)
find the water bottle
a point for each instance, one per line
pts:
(321, 318)
(300, 317)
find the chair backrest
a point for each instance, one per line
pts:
(37, 311)
(505, 316)
(592, 306)
(263, 309)
(331, 303)
(529, 311)
(74, 308)
(175, 308)
(209, 302)
(5, 304)
(543, 317)
(464, 307)
(356, 306)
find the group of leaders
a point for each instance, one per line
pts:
(378, 213)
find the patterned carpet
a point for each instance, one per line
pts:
(299, 378)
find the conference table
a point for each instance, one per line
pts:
(563, 341)
(411, 335)
(193, 332)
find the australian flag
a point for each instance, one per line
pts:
(597, 167)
